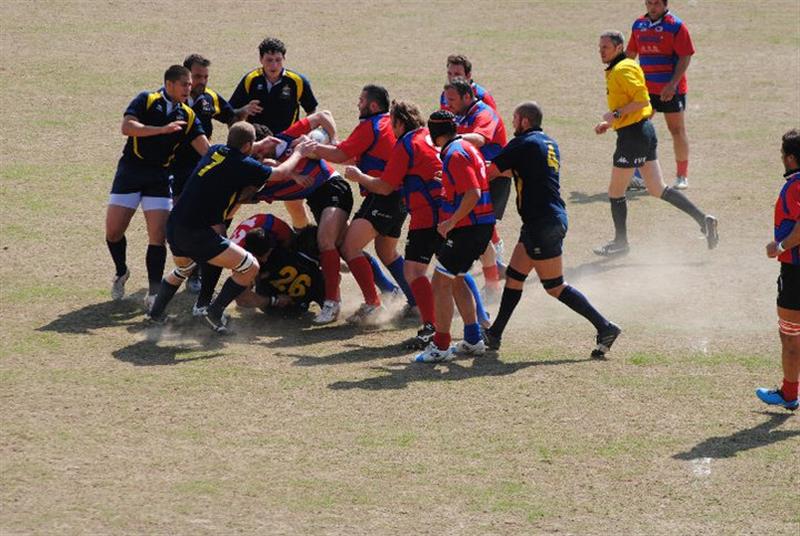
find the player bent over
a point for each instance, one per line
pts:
(535, 160)
(224, 174)
(466, 223)
(786, 248)
(629, 115)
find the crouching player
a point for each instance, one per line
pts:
(466, 223)
(224, 175)
(535, 160)
(786, 248)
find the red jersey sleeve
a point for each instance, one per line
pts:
(397, 166)
(488, 99)
(485, 124)
(793, 201)
(358, 141)
(298, 128)
(633, 44)
(464, 173)
(683, 42)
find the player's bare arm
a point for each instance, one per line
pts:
(131, 126)
(372, 184)
(680, 69)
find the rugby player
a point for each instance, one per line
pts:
(466, 222)
(665, 49)
(459, 66)
(534, 158)
(480, 125)
(155, 122)
(224, 176)
(380, 217)
(786, 249)
(629, 115)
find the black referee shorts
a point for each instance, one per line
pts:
(636, 144)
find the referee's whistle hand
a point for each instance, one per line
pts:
(600, 128)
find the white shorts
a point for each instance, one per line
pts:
(132, 201)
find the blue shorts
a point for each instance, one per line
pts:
(139, 177)
(199, 245)
(543, 239)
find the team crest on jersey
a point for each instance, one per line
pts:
(286, 92)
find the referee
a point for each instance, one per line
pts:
(535, 160)
(629, 114)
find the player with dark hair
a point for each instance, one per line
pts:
(380, 217)
(665, 49)
(480, 125)
(458, 66)
(155, 122)
(629, 115)
(224, 176)
(466, 222)
(786, 248)
(535, 160)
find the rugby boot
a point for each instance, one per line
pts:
(432, 354)
(465, 348)
(193, 283)
(118, 285)
(423, 337)
(711, 232)
(637, 184)
(605, 339)
(366, 315)
(774, 397)
(681, 183)
(492, 341)
(612, 249)
(218, 322)
(328, 314)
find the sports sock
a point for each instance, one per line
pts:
(576, 301)
(118, 253)
(619, 214)
(483, 316)
(677, 199)
(789, 390)
(380, 278)
(209, 277)
(165, 294)
(472, 333)
(423, 294)
(362, 272)
(155, 260)
(491, 276)
(495, 236)
(329, 262)
(508, 303)
(441, 340)
(682, 168)
(230, 290)
(396, 269)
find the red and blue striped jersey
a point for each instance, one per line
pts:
(370, 144)
(481, 93)
(787, 215)
(412, 168)
(288, 189)
(659, 45)
(481, 119)
(272, 225)
(463, 169)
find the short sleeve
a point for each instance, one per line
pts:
(138, 106)
(485, 124)
(633, 43)
(464, 173)
(297, 129)
(683, 42)
(358, 141)
(239, 97)
(507, 158)
(397, 166)
(307, 100)
(224, 112)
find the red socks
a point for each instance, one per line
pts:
(492, 276)
(495, 236)
(683, 168)
(441, 340)
(362, 272)
(329, 262)
(789, 390)
(423, 294)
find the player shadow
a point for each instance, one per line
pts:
(148, 352)
(750, 438)
(401, 375)
(352, 353)
(300, 332)
(98, 315)
(582, 198)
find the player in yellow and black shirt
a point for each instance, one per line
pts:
(156, 123)
(629, 115)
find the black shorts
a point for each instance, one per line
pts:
(135, 177)
(636, 144)
(421, 244)
(789, 287)
(386, 213)
(543, 239)
(200, 245)
(500, 191)
(677, 104)
(462, 247)
(336, 192)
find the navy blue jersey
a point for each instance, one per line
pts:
(281, 103)
(156, 109)
(294, 274)
(535, 162)
(207, 106)
(215, 186)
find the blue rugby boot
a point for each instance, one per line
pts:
(774, 397)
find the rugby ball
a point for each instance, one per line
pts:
(320, 135)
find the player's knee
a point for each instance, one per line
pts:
(553, 286)
(248, 265)
(183, 272)
(515, 275)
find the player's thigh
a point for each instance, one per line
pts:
(549, 268)
(386, 248)
(297, 212)
(653, 178)
(118, 218)
(676, 123)
(359, 234)
(332, 228)
(156, 221)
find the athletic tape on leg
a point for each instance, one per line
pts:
(246, 263)
(791, 329)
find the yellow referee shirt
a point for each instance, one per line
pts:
(625, 84)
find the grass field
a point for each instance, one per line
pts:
(107, 428)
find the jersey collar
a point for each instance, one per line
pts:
(793, 174)
(657, 21)
(616, 60)
(171, 105)
(446, 145)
